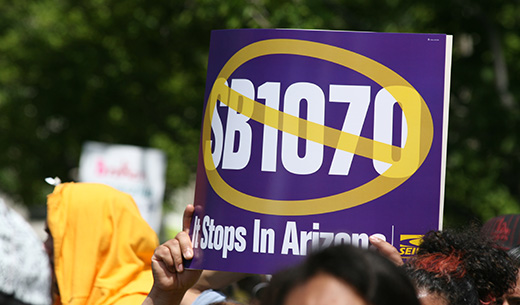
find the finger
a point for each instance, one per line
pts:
(185, 245)
(186, 219)
(386, 249)
(163, 254)
(176, 254)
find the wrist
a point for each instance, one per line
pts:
(159, 296)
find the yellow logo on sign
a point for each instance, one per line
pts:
(415, 110)
(409, 244)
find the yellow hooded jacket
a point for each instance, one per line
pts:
(102, 245)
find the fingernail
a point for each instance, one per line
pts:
(188, 253)
(374, 238)
(180, 268)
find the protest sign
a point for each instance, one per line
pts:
(312, 138)
(138, 171)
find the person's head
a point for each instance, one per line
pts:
(504, 230)
(513, 297)
(342, 275)
(461, 267)
(24, 267)
(98, 242)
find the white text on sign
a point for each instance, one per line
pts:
(232, 156)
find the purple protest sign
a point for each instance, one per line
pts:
(312, 138)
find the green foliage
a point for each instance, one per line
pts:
(133, 72)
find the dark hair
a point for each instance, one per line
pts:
(443, 276)
(377, 280)
(463, 266)
(514, 254)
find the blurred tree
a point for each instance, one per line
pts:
(133, 72)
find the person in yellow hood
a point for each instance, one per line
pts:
(99, 245)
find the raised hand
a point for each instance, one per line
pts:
(171, 280)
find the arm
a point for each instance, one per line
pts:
(217, 279)
(171, 280)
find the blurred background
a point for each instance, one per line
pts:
(133, 72)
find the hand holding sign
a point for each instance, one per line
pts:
(387, 250)
(171, 281)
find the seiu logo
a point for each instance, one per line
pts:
(409, 245)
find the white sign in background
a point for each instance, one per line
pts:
(134, 170)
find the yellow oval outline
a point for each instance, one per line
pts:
(371, 190)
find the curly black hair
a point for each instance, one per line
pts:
(442, 281)
(467, 265)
